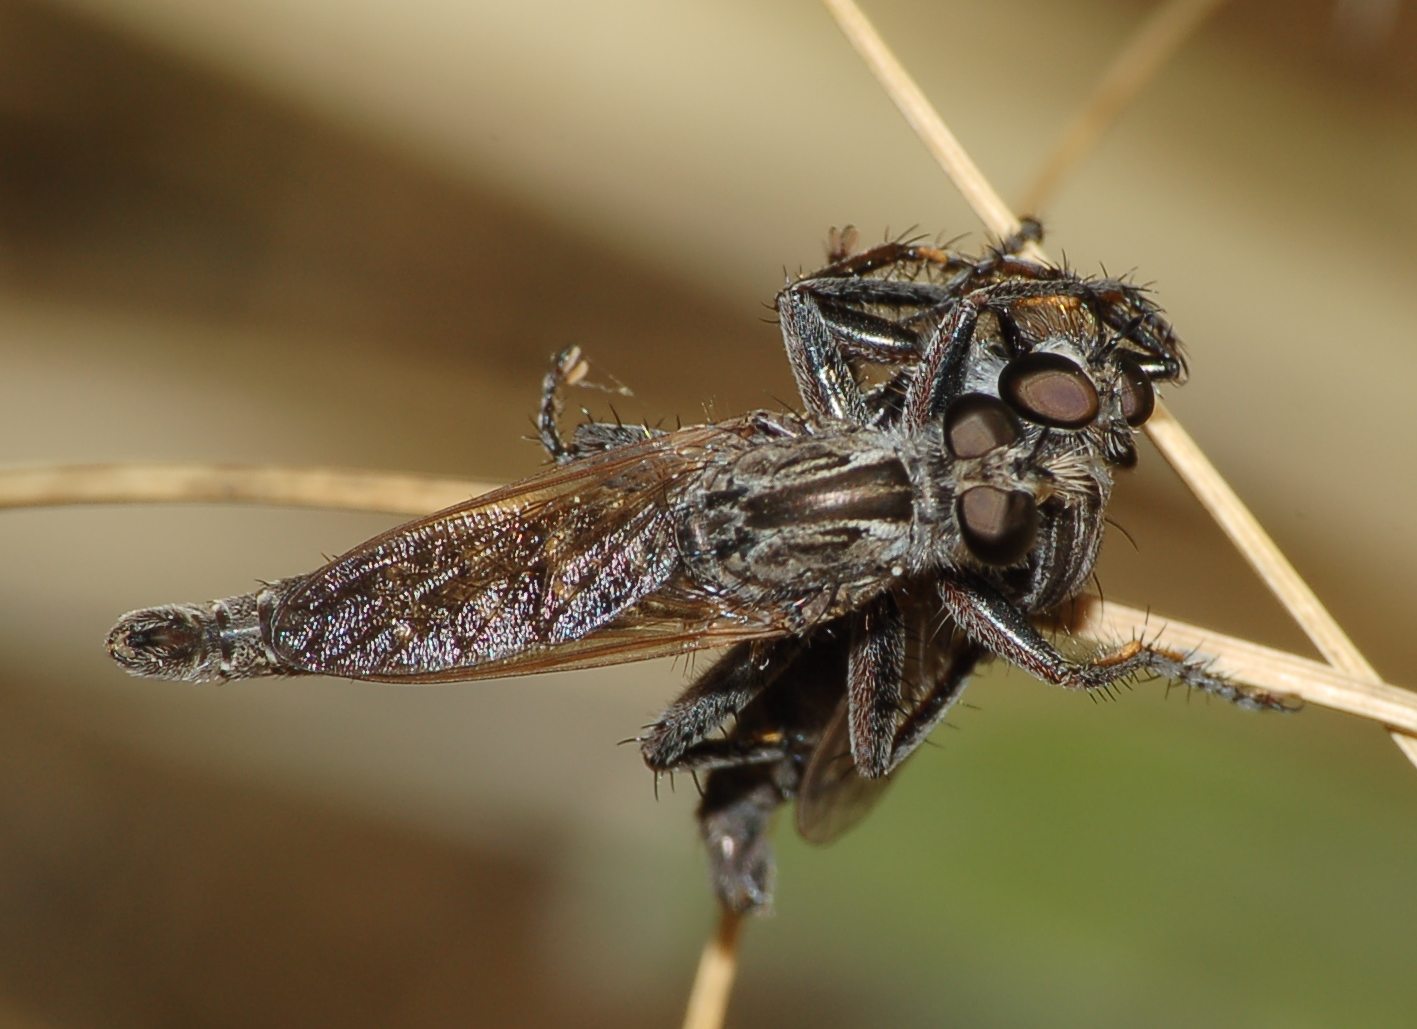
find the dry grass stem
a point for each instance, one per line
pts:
(1145, 54)
(329, 488)
(1253, 664)
(926, 121)
(1175, 444)
(713, 980)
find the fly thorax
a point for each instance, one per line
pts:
(829, 514)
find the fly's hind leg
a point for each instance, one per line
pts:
(569, 368)
(725, 689)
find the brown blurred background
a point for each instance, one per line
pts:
(346, 233)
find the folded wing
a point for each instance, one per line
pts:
(572, 568)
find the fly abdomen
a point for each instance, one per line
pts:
(212, 642)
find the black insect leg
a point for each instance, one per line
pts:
(732, 681)
(897, 254)
(937, 376)
(1124, 308)
(910, 256)
(930, 710)
(874, 669)
(831, 317)
(825, 379)
(1030, 230)
(993, 622)
(1185, 670)
(711, 755)
(567, 368)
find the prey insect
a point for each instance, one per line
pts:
(944, 484)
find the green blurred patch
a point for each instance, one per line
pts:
(1147, 861)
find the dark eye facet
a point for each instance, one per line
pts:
(998, 525)
(1050, 390)
(978, 423)
(1138, 398)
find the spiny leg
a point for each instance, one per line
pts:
(825, 379)
(830, 318)
(875, 666)
(889, 738)
(568, 368)
(1005, 630)
(834, 792)
(930, 709)
(845, 262)
(725, 689)
(936, 377)
(711, 755)
(1195, 674)
(826, 326)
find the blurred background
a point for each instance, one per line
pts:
(342, 232)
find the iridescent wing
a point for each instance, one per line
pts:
(571, 568)
(833, 796)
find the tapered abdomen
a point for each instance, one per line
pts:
(211, 642)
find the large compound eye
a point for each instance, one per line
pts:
(997, 525)
(978, 423)
(1138, 398)
(1050, 390)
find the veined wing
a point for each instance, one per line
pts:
(538, 575)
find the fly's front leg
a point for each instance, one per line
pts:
(875, 667)
(829, 320)
(825, 326)
(825, 379)
(992, 621)
(936, 379)
(938, 376)
(725, 689)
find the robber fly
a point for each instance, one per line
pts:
(858, 559)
